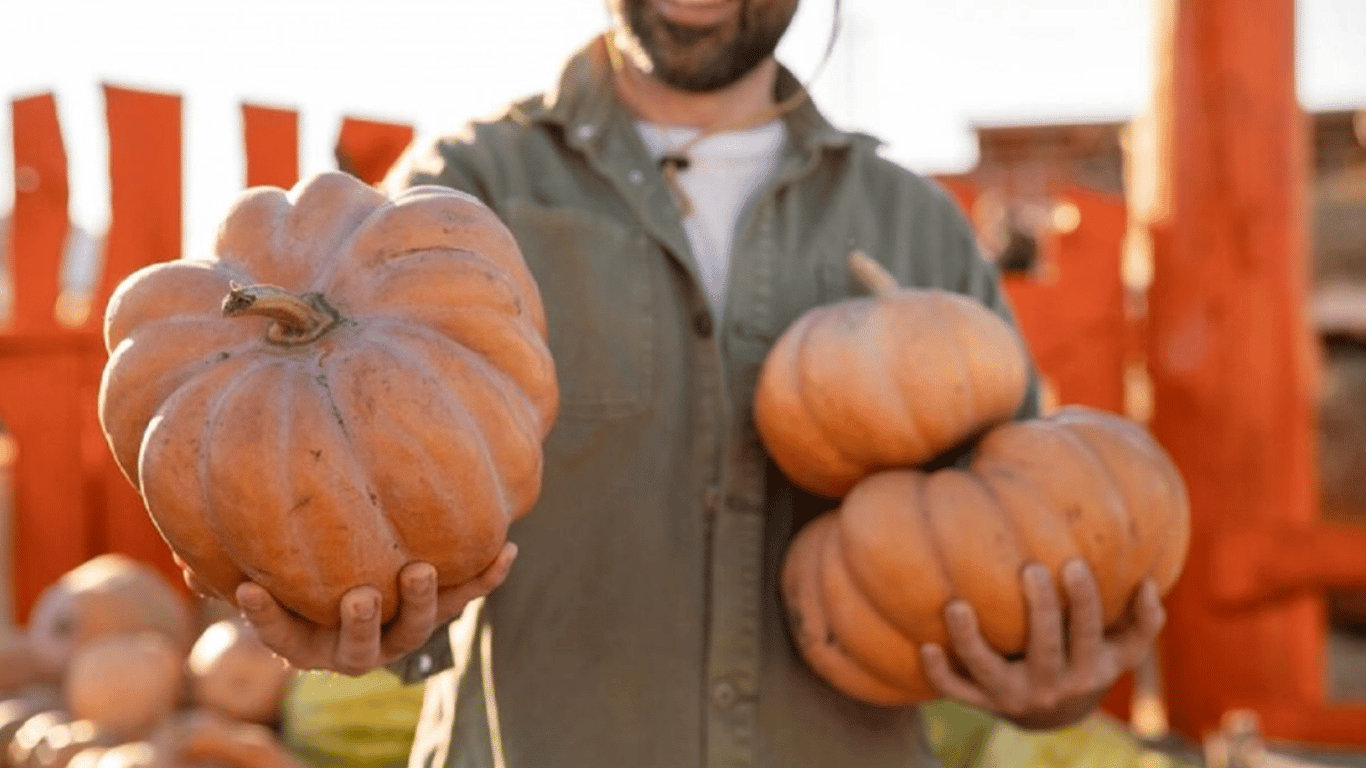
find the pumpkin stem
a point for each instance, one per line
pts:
(299, 318)
(872, 274)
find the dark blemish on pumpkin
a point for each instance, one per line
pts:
(1074, 513)
(224, 356)
(321, 380)
(63, 626)
(301, 503)
(317, 454)
(374, 497)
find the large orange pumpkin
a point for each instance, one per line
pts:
(866, 585)
(892, 380)
(349, 384)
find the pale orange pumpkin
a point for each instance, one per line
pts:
(234, 674)
(866, 585)
(107, 594)
(125, 684)
(349, 384)
(892, 380)
(205, 739)
(55, 743)
(16, 712)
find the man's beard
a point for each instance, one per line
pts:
(702, 59)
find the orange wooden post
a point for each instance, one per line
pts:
(145, 227)
(1230, 364)
(366, 148)
(40, 365)
(271, 137)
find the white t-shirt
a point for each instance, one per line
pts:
(723, 172)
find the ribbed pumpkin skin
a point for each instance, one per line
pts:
(867, 584)
(888, 381)
(409, 430)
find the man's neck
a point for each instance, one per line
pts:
(654, 101)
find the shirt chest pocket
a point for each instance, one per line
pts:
(597, 283)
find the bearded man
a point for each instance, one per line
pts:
(681, 201)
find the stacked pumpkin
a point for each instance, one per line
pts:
(855, 396)
(110, 672)
(347, 385)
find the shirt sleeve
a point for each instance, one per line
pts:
(433, 657)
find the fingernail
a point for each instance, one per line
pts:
(959, 612)
(251, 599)
(1075, 571)
(365, 610)
(421, 580)
(1037, 575)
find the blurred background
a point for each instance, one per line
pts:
(917, 74)
(1232, 323)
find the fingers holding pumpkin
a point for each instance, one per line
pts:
(424, 606)
(360, 642)
(452, 600)
(1134, 643)
(290, 637)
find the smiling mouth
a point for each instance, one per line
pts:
(697, 12)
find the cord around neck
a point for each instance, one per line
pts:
(676, 160)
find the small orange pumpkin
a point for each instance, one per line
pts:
(866, 585)
(888, 381)
(107, 594)
(125, 684)
(350, 384)
(234, 674)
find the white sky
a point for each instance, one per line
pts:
(914, 72)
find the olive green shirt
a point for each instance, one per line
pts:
(641, 626)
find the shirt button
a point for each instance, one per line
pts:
(711, 498)
(723, 694)
(635, 176)
(702, 323)
(424, 663)
(585, 131)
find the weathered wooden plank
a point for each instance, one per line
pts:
(52, 530)
(145, 184)
(39, 228)
(271, 137)
(367, 148)
(1074, 318)
(145, 227)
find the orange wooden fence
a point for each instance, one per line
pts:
(70, 501)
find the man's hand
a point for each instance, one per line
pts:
(360, 644)
(1061, 679)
